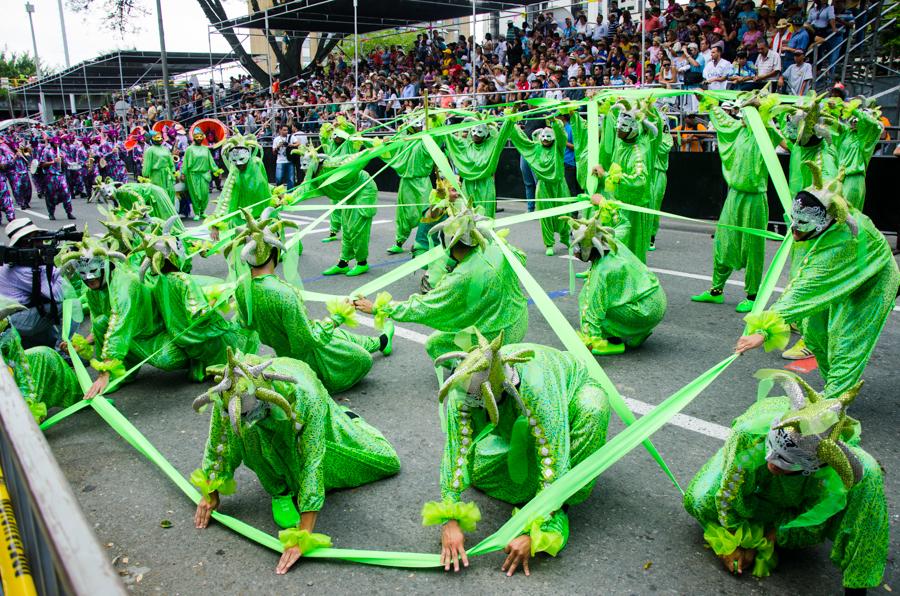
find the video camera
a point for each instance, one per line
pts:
(42, 250)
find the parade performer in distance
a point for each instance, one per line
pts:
(840, 293)
(246, 187)
(110, 153)
(19, 176)
(544, 153)
(198, 168)
(54, 185)
(546, 415)
(475, 157)
(125, 326)
(75, 157)
(792, 475)
(860, 131)
(622, 301)
(746, 206)
(660, 176)
(480, 291)
(413, 165)
(809, 132)
(337, 142)
(275, 417)
(275, 309)
(40, 373)
(7, 197)
(159, 166)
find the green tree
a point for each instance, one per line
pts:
(16, 66)
(379, 39)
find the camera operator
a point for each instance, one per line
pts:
(28, 284)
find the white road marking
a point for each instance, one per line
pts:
(710, 429)
(296, 217)
(377, 222)
(36, 214)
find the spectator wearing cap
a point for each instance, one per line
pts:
(693, 67)
(717, 70)
(746, 14)
(799, 40)
(768, 64)
(796, 78)
(743, 77)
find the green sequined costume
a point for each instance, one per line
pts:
(745, 205)
(332, 148)
(197, 167)
(565, 421)
(199, 330)
(127, 327)
(330, 450)
(841, 292)
(855, 150)
(482, 291)
(356, 224)
(155, 197)
(622, 298)
(660, 177)
(339, 358)
(40, 373)
(413, 165)
(243, 189)
(580, 143)
(735, 487)
(548, 166)
(820, 152)
(159, 167)
(476, 164)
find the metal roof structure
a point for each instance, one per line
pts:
(122, 69)
(337, 16)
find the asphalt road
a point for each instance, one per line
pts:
(631, 537)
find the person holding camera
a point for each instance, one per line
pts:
(26, 278)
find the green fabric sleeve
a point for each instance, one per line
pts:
(446, 303)
(124, 319)
(222, 454)
(454, 473)
(313, 414)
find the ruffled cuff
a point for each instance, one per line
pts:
(591, 341)
(207, 485)
(612, 178)
(38, 410)
(436, 513)
(84, 349)
(545, 539)
(342, 313)
(305, 540)
(115, 368)
(380, 309)
(775, 331)
(724, 542)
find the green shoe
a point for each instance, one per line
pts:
(549, 251)
(336, 270)
(607, 349)
(395, 250)
(196, 218)
(358, 270)
(745, 305)
(652, 247)
(330, 238)
(583, 274)
(389, 333)
(285, 512)
(710, 298)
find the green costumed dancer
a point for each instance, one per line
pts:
(807, 130)
(622, 301)
(275, 310)
(159, 165)
(790, 476)
(336, 142)
(580, 143)
(198, 168)
(247, 184)
(135, 195)
(840, 293)
(40, 373)
(275, 417)
(480, 292)
(861, 131)
(356, 223)
(519, 416)
(544, 153)
(125, 326)
(660, 177)
(627, 157)
(475, 158)
(745, 205)
(413, 165)
(195, 325)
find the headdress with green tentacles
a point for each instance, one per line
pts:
(8, 306)
(809, 436)
(241, 385)
(259, 237)
(830, 195)
(461, 226)
(808, 118)
(104, 190)
(484, 374)
(591, 234)
(238, 149)
(121, 224)
(89, 257)
(161, 247)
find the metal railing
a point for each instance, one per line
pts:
(63, 553)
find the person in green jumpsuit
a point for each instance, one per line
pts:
(544, 153)
(275, 417)
(859, 138)
(40, 373)
(125, 327)
(475, 157)
(198, 168)
(622, 301)
(519, 416)
(792, 475)
(841, 292)
(135, 195)
(337, 142)
(481, 291)
(247, 184)
(745, 205)
(413, 165)
(660, 178)
(275, 309)
(159, 166)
